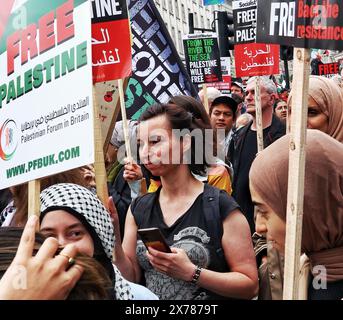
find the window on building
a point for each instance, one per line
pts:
(177, 9)
(183, 12)
(180, 40)
(171, 9)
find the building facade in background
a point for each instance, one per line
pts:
(175, 15)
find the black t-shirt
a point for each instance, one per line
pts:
(241, 193)
(190, 232)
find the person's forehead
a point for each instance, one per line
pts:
(235, 87)
(59, 218)
(281, 103)
(250, 86)
(222, 107)
(155, 125)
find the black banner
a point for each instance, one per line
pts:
(158, 72)
(301, 23)
(244, 19)
(203, 58)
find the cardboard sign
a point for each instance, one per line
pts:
(157, 70)
(202, 57)
(244, 19)
(225, 85)
(328, 68)
(46, 109)
(301, 23)
(256, 59)
(111, 46)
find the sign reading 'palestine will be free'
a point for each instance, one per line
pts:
(304, 24)
(202, 58)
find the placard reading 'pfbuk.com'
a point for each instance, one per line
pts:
(202, 58)
(301, 23)
(46, 113)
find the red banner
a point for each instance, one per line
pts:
(328, 68)
(256, 59)
(111, 45)
(223, 86)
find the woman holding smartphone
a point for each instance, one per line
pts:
(212, 256)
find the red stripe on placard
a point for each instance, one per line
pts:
(5, 12)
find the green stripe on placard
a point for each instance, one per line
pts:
(33, 10)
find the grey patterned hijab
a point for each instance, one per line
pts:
(84, 203)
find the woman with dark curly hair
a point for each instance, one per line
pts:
(212, 254)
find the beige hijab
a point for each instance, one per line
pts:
(322, 238)
(329, 96)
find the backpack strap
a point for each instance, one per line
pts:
(214, 221)
(212, 213)
(142, 204)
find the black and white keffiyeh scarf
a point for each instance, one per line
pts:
(84, 203)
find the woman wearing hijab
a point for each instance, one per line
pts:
(73, 214)
(325, 106)
(322, 233)
(47, 276)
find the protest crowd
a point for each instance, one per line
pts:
(195, 210)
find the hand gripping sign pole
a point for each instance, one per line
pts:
(258, 109)
(143, 187)
(296, 173)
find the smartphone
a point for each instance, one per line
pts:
(153, 237)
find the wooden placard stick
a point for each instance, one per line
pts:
(33, 198)
(114, 117)
(99, 161)
(258, 111)
(143, 186)
(124, 119)
(296, 173)
(206, 104)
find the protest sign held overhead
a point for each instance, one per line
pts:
(111, 47)
(225, 85)
(157, 70)
(244, 17)
(202, 57)
(256, 59)
(303, 23)
(251, 58)
(328, 68)
(45, 127)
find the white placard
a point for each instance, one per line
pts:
(49, 129)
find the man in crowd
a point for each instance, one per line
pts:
(237, 91)
(243, 147)
(223, 116)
